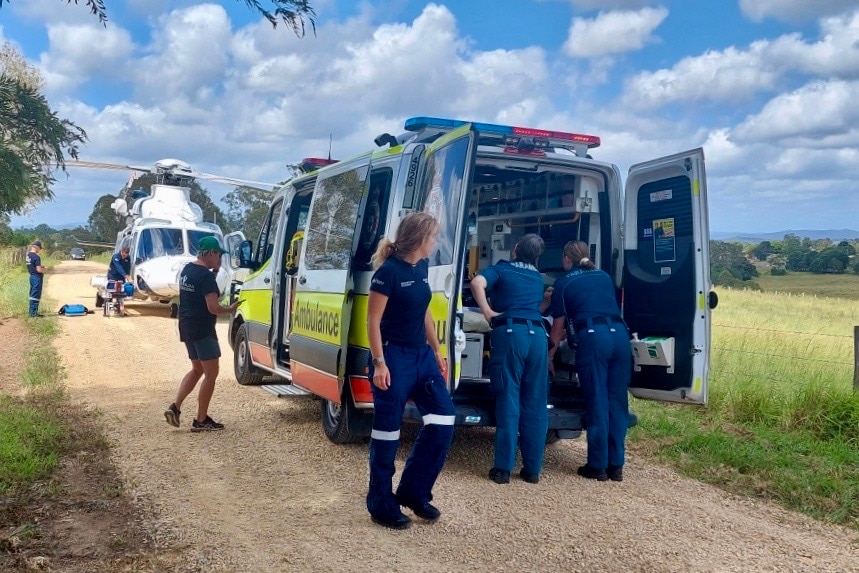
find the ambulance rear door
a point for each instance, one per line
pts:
(666, 277)
(446, 179)
(324, 294)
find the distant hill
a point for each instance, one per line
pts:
(831, 234)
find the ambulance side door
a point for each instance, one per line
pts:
(666, 277)
(324, 293)
(444, 190)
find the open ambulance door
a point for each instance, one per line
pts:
(448, 168)
(230, 264)
(666, 278)
(322, 306)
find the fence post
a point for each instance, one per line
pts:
(856, 358)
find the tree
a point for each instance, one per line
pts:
(103, 222)
(33, 140)
(290, 12)
(763, 250)
(247, 209)
(729, 257)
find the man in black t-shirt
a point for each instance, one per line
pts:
(198, 312)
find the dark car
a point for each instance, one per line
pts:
(77, 254)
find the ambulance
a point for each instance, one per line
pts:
(301, 326)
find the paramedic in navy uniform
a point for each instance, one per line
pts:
(120, 266)
(518, 362)
(37, 275)
(584, 303)
(406, 363)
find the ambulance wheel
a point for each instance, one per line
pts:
(344, 423)
(99, 301)
(174, 310)
(552, 437)
(246, 373)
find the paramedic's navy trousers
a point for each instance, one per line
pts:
(604, 366)
(35, 293)
(519, 375)
(414, 375)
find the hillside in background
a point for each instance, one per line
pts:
(831, 234)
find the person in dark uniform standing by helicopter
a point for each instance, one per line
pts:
(584, 303)
(37, 277)
(120, 272)
(518, 361)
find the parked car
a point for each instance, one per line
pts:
(77, 254)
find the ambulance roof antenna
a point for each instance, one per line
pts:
(329, 147)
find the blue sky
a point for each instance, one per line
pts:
(767, 87)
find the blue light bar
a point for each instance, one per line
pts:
(419, 123)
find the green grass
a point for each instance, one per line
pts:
(30, 442)
(782, 422)
(844, 286)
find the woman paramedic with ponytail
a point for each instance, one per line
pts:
(583, 302)
(406, 364)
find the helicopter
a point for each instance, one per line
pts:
(163, 229)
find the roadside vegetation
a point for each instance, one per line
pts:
(782, 423)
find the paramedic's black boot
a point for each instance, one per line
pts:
(400, 521)
(615, 473)
(499, 476)
(424, 510)
(589, 472)
(528, 477)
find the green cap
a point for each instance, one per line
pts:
(209, 244)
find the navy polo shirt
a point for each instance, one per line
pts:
(33, 262)
(195, 320)
(119, 267)
(582, 294)
(515, 289)
(408, 291)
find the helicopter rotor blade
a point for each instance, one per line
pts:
(102, 165)
(92, 243)
(261, 185)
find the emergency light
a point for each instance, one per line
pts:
(309, 164)
(509, 133)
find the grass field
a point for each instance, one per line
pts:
(783, 421)
(844, 286)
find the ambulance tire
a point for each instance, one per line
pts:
(344, 423)
(246, 373)
(99, 300)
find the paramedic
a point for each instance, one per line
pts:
(37, 276)
(406, 364)
(198, 312)
(120, 266)
(518, 362)
(119, 272)
(584, 301)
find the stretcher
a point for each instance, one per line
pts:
(111, 295)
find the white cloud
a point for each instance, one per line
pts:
(612, 32)
(733, 74)
(819, 114)
(610, 4)
(793, 10)
(80, 51)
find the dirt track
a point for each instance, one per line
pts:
(270, 493)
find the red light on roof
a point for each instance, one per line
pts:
(313, 163)
(590, 140)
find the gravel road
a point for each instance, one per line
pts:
(272, 494)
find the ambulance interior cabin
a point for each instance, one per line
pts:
(504, 205)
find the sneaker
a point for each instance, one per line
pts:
(615, 473)
(399, 521)
(528, 477)
(171, 414)
(589, 472)
(206, 425)
(499, 476)
(424, 510)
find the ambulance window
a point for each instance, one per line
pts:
(443, 184)
(268, 233)
(375, 216)
(332, 220)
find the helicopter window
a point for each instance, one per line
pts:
(332, 220)
(158, 242)
(268, 233)
(194, 239)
